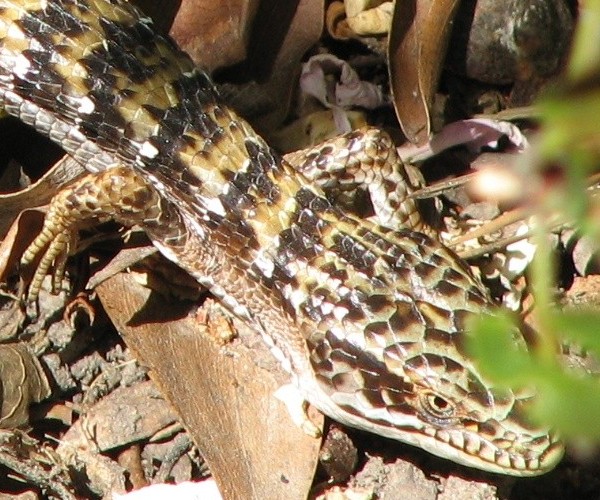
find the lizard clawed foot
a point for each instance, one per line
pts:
(52, 247)
(74, 207)
(296, 405)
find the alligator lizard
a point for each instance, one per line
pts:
(369, 321)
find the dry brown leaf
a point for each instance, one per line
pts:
(25, 228)
(38, 194)
(22, 382)
(336, 22)
(215, 34)
(260, 41)
(284, 31)
(225, 401)
(417, 47)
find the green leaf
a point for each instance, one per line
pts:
(499, 355)
(581, 327)
(570, 403)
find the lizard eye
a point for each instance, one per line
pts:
(436, 406)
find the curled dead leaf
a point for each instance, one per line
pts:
(417, 46)
(371, 20)
(336, 22)
(22, 382)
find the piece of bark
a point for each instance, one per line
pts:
(125, 416)
(224, 399)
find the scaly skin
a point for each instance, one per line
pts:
(369, 321)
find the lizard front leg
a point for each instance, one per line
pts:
(365, 162)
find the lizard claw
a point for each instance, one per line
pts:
(296, 405)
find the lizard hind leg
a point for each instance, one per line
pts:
(118, 194)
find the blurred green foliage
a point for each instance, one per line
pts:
(569, 398)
